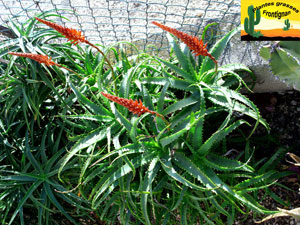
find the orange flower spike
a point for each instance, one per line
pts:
(133, 106)
(39, 58)
(194, 44)
(71, 34)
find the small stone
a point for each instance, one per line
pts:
(293, 102)
(273, 100)
(298, 109)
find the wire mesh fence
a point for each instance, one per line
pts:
(109, 21)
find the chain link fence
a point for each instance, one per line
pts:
(109, 21)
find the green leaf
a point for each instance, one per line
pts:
(125, 169)
(88, 62)
(98, 118)
(180, 198)
(210, 173)
(126, 82)
(120, 118)
(72, 61)
(196, 205)
(169, 169)
(171, 138)
(97, 110)
(215, 203)
(206, 28)
(30, 157)
(286, 67)
(183, 162)
(92, 138)
(184, 62)
(133, 130)
(180, 104)
(218, 136)
(265, 52)
(255, 180)
(217, 50)
(56, 202)
(186, 75)
(224, 164)
(273, 161)
(174, 83)
(183, 216)
(161, 100)
(28, 193)
(248, 108)
(291, 47)
(125, 150)
(198, 131)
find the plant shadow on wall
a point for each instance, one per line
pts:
(72, 129)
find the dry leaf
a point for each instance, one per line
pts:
(295, 213)
(295, 158)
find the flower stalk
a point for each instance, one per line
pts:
(71, 34)
(42, 59)
(136, 107)
(76, 37)
(194, 43)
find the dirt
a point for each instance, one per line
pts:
(282, 111)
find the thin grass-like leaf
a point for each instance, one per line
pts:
(28, 193)
(174, 83)
(85, 142)
(137, 162)
(147, 186)
(53, 199)
(96, 109)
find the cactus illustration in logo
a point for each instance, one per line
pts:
(287, 24)
(250, 22)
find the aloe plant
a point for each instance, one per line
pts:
(32, 140)
(150, 169)
(142, 141)
(31, 181)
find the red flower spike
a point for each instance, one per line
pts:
(73, 35)
(133, 106)
(39, 58)
(194, 44)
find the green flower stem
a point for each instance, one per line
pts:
(72, 71)
(110, 66)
